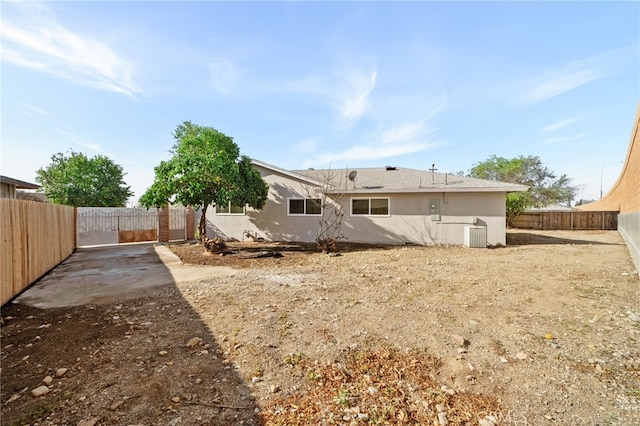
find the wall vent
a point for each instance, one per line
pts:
(475, 236)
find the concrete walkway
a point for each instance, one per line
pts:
(107, 274)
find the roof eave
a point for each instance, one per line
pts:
(507, 189)
(286, 172)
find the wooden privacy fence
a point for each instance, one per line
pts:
(35, 238)
(568, 221)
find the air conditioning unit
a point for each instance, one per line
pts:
(475, 236)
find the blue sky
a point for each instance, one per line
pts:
(323, 84)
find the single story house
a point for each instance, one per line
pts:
(390, 205)
(9, 185)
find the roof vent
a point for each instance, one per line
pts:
(389, 168)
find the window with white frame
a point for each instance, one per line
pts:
(304, 206)
(229, 209)
(370, 207)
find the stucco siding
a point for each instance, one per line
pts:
(409, 219)
(271, 222)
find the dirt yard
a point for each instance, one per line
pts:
(543, 331)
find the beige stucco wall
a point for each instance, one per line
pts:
(624, 196)
(409, 220)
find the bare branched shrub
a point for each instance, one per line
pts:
(329, 196)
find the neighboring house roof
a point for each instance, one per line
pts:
(19, 184)
(551, 208)
(399, 179)
(31, 196)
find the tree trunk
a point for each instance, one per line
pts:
(202, 225)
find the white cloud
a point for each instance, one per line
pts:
(32, 108)
(564, 139)
(73, 138)
(399, 140)
(224, 74)
(347, 92)
(354, 99)
(573, 75)
(34, 39)
(306, 145)
(558, 125)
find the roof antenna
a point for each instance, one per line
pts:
(433, 174)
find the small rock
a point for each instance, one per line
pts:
(116, 405)
(88, 422)
(13, 398)
(442, 419)
(163, 353)
(198, 381)
(39, 391)
(195, 341)
(175, 399)
(522, 356)
(485, 422)
(47, 380)
(26, 357)
(372, 390)
(503, 359)
(447, 390)
(256, 379)
(175, 421)
(459, 340)
(274, 389)
(441, 408)
(61, 372)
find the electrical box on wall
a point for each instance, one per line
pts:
(434, 209)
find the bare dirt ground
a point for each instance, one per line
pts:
(543, 331)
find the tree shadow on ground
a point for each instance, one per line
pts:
(518, 238)
(141, 358)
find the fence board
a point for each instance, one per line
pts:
(35, 238)
(567, 221)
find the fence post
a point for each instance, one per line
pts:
(75, 227)
(163, 224)
(190, 223)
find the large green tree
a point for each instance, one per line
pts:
(79, 181)
(205, 168)
(545, 187)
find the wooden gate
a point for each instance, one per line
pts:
(112, 225)
(177, 223)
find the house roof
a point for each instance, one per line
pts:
(399, 179)
(394, 179)
(20, 184)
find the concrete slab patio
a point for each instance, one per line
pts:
(107, 274)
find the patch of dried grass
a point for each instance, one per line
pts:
(376, 386)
